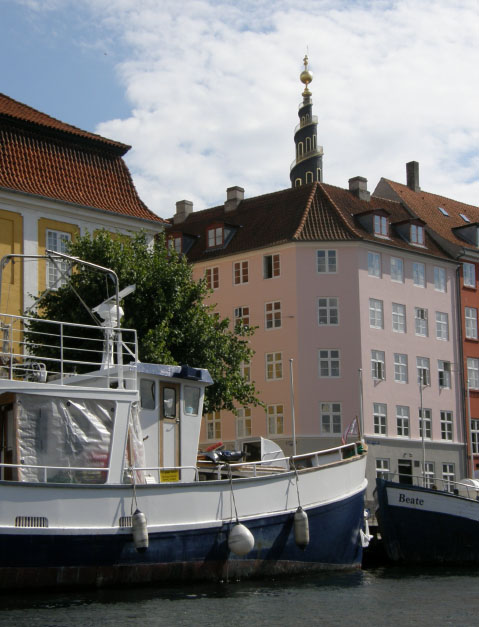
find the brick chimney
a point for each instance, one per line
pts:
(234, 195)
(358, 186)
(412, 176)
(183, 210)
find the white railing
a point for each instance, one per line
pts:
(317, 152)
(67, 471)
(433, 483)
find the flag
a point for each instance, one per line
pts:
(352, 429)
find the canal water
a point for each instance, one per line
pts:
(382, 596)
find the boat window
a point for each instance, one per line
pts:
(147, 394)
(192, 400)
(169, 402)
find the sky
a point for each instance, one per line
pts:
(207, 91)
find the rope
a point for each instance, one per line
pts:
(291, 459)
(133, 476)
(232, 494)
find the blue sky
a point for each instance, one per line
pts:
(206, 91)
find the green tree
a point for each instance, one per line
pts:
(167, 309)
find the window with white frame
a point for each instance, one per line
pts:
(469, 274)
(399, 317)
(444, 373)
(471, 322)
(421, 321)
(423, 370)
(327, 261)
(425, 416)
(275, 416)
(473, 373)
(419, 274)
(442, 325)
(402, 421)
(429, 474)
(329, 363)
(175, 243)
(397, 269)
(57, 270)
(374, 264)
(241, 316)
(271, 266)
(212, 276)
(243, 422)
(240, 272)
(380, 418)
(213, 426)
(446, 425)
(328, 311)
(439, 279)
(378, 366)
(274, 366)
(381, 226)
(475, 435)
(330, 418)
(376, 317)
(448, 477)
(400, 368)
(382, 468)
(215, 236)
(272, 315)
(417, 234)
(246, 370)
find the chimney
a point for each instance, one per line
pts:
(358, 186)
(412, 176)
(183, 210)
(234, 195)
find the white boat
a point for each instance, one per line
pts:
(99, 481)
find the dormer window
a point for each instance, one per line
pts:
(417, 234)
(175, 243)
(380, 225)
(214, 236)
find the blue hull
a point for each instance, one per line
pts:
(49, 559)
(442, 534)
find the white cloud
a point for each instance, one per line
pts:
(214, 88)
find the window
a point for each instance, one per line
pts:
(246, 370)
(397, 269)
(443, 211)
(444, 373)
(58, 270)
(464, 217)
(330, 416)
(446, 425)
(147, 394)
(420, 321)
(214, 236)
(174, 243)
(471, 322)
(243, 422)
(417, 234)
(379, 415)
(272, 315)
(400, 368)
(271, 266)
(473, 373)
(192, 400)
(376, 320)
(329, 363)
(240, 272)
(328, 311)
(374, 264)
(309, 174)
(212, 276)
(402, 421)
(169, 402)
(429, 474)
(448, 477)
(382, 468)
(241, 316)
(327, 261)
(213, 426)
(275, 419)
(419, 274)
(274, 366)
(475, 435)
(423, 370)
(426, 415)
(399, 318)
(378, 367)
(439, 279)
(381, 226)
(469, 274)
(442, 326)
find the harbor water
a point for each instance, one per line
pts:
(382, 596)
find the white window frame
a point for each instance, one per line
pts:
(380, 417)
(243, 422)
(417, 234)
(327, 261)
(273, 366)
(400, 368)
(380, 226)
(421, 323)
(470, 315)
(240, 272)
(330, 418)
(423, 366)
(440, 280)
(376, 313)
(442, 326)
(374, 264)
(397, 269)
(382, 468)
(272, 315)
(446, 425)
(328, 311)
(473, 373)
(469, 274)
(57, 271)
(402, 421)
(378, 365)
(475, 435)
(271, 266)
(275, 419)
(213, 424)
(329, 363)
(427, 413)
(429, 474)
(448, 476)
(419, 274)
(444, 374)
(212, 276)
(241, 316)
(399, 317)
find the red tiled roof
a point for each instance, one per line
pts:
(42, 156)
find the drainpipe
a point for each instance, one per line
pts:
(466, 414)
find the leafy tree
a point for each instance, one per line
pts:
(167, 309)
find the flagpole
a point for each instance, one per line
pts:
(292, 404)
(361, 430)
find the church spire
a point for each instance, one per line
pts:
(308, 165)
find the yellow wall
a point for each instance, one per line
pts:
(54, 225)
(11, 242)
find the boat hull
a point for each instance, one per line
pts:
(425, 526)
(44, 559)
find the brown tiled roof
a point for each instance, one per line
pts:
(316, 212)
(426, 206)
(42, 156)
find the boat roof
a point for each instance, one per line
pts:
(178, 372)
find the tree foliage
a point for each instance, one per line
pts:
(167, 309)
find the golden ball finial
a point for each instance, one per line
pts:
(306, 76)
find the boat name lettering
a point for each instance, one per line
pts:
(411, 500)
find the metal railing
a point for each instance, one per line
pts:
(312, 120)
(316, 152)
(433, 483)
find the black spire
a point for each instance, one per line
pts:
(308, 165)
